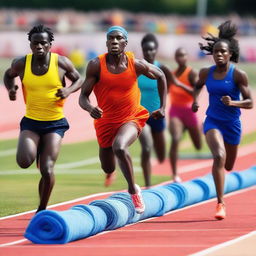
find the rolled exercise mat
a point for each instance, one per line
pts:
(59, 227)
(179, 192)
(125, 198)
(98, 215)
(116, 211)
(232, 182)
(171, 201)
(154, 204)
(248, 177)
(194, 193)
(207, 184)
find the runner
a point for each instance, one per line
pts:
(182, 118)
(119, 117)
(225, 83)
(42, 74)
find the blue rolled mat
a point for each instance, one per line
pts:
(207, 184)
(232, 182)
(153, 204)
(125, 198)
(98, 215)
(162, 193)
(195, 192)
(59, 227)
(116, 211)
(179, 192)
(170, 198)
(248, 177)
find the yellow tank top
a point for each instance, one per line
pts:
(39, 92)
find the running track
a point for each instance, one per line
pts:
(182, 232)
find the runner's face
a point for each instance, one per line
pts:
(221, 53)
(149, 51)
(116, 43)
(40, 44)
(181, 57)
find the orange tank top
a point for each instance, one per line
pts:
(118, 95)
(179, 96)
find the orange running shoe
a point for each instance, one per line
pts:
(220, 211)
(137, 200)
(110, 178)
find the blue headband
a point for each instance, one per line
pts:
(118, 28)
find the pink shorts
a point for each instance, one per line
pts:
(185, 114)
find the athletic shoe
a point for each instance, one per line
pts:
(137, 200)
(177, 179)
(110, 178)
(220, 211)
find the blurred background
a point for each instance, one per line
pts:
(81, 25)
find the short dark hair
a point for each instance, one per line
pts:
(41, 29)
(227, 31)
(149, 38)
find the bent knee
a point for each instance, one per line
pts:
(219, 157)
(24, 163)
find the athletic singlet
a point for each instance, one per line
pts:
(149, 92)
(217, 89)
(179, 96)
(118, 95)
(39, 92)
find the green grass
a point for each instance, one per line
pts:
(19, 191)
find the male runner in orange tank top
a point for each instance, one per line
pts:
(119, 117)
(42, 74)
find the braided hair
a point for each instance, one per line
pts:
(41, 29)
(149, 38)
(227, 31)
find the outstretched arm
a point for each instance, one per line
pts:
(153, 72)
(198, 87)
(16, 69)
(72, 74)
(92, 74)
(242, 82)
(171, 79)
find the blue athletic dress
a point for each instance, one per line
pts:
(150, 100)
(219, 116)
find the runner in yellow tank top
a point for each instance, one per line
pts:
(40, 91)
(41, 130)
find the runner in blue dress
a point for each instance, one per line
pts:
(228, 92)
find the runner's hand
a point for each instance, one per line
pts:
(195, 106)
(63, 93)
(226, 100)
(158, 114)
(12, 92)
(96, 113)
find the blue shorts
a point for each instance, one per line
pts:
(156, 125)
(230, 130)
(43, 127)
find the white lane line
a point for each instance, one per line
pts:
(225, 244)
(66, 167)
(8, 152)
(13, 243)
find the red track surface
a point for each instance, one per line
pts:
(181, 232)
